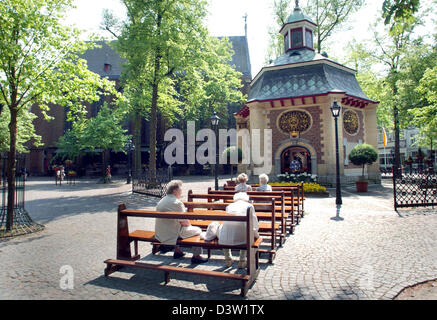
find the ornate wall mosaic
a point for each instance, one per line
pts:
(294, 121)
(351, 122)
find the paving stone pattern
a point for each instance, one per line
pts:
(363, 250)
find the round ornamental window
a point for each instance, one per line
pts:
(351, 122)
(295, 121)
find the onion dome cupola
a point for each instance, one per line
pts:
(298, 31)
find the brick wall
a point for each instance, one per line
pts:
(314, 136)
(355, 138)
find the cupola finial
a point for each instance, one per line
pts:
(297, 3)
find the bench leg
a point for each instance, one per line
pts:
(110, 268)
(244, 288)
(209, 253)
(136, 247)
(155, 249)
(271, 257)
(166, 277)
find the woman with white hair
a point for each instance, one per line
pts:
(243, 186)
(233, 233)
(263, 186)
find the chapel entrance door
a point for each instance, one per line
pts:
(296, 160)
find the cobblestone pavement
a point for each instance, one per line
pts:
(363, 250)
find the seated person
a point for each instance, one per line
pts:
(167, 231)
(232, 232)
(243, 187)
(263, 186)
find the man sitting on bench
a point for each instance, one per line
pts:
(167, 231)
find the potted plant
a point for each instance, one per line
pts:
(229, 154)
(361, 155)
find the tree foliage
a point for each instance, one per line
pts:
(327, 14)
(25, 131)
(174, 68)
(330, 15)
(40, 64)
(362, 155)
(398, 9)
(104, 132)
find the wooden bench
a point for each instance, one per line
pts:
(285, 202)
(280, 199)
(297, 190)
(125, 258)
(272, 229)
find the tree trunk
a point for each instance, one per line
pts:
(103, 166)
(138, 143)
(397, 135)
(154, 108)
(11, 168)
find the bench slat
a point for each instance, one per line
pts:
(206, 215)
(149, 236)
(166, 268)
(204, 224)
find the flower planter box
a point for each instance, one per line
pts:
(362, 186)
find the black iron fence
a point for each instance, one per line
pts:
(151, 184)
(415, 188)
(21, 221)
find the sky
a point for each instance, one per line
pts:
(226, 19)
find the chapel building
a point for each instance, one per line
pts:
(293, 96)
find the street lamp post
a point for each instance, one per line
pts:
(336, 109)
(214, 122)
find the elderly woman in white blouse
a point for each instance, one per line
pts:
(243, 186)
(233, 233)
(263, 186)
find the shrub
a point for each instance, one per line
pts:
(297, 178)
(363, 154)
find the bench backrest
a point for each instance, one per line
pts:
(221, 206)
(123, 241)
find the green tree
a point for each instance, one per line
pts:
(362, 155)
(281, 11)
(40, 64)
(212, 84)
(159, 40)
(397, 9)
(389, 50)
(104, 132)
(425, 116)
(174, 68)
(25, 131)
(330, 15)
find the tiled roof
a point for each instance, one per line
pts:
(241, 57)
(97, 58)
(304, 81)
(298, 15)
(298, 56)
